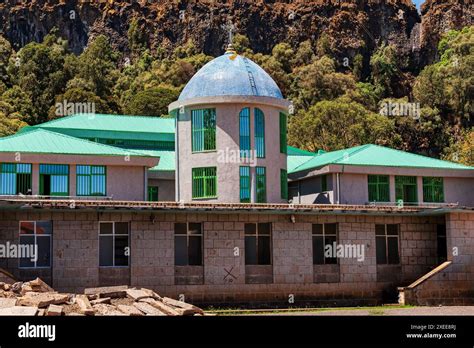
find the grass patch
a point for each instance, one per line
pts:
(376, 310)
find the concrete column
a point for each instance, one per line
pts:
(145, 179)
(419, 187)
(72, 180)
(35, 178)
(391, 181)
(253, 185)
(336, 189)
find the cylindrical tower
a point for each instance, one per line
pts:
(231, 135)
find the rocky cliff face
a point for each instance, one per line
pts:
(353, 26)
(439, 16)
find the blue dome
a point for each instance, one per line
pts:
(230, 75)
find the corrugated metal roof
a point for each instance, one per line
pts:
(167, 160)
(112, 127)
(374, 155)
(294, 162)
(294, 151)
(46, 142)
(230, 75)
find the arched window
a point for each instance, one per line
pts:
(260, 133)
(283, 131)
(244, 129)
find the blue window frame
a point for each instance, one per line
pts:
(91, 180)
(54, 179)
(15, 178)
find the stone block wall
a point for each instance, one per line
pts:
(225, 277)
(454, 283)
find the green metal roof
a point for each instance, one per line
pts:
(294, 151)
(45, 142)
(294, 162)
(374, 155)
(112, 127)
(167, 159)
(61, 136)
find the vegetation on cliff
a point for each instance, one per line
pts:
(336, 104)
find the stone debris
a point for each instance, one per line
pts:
(38, 298)
(108, 291)
(7, 302)
(42, 299)
(161, 306)
(18, 310)
(129, 310)
(137, 294)
(148, 309)
(105, 309)
(54, 311)
(84, 305)
(105, 300)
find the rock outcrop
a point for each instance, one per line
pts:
(352, 26)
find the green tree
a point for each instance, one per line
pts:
(384, 68)
(241, 45)
(304, 55)
(152, 102)
(6, 52)
(137, 40)
(16, 101)
(461, 149)
(9, 126)
(320, 81)
(82, 100)
(97, 64)
(366, 94)
(323, 46)
(338, 124)
(358, 67)
(40, 74)
(284, 54)
(448, 85)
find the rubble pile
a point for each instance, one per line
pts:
(38, 298)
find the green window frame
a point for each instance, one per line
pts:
(153, 193)
(56, 177)
(433, 190)
(244, 174)
(15, 178)
(204, 182)
(203, 130)
(136, 144)
(283, 133)
(244, 132)
(406, 189)
(379, 188)
(284, 184)
(260, 133)
(91, 180)
(261, 184)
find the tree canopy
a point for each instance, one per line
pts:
(336, 104)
